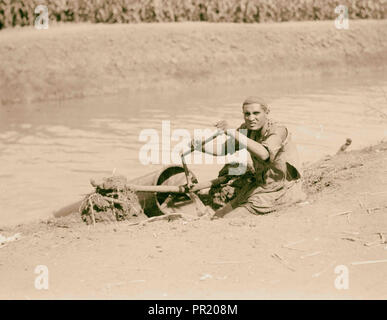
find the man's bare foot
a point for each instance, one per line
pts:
(209, 212)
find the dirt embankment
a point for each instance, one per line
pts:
(79, 60)
(289, 254)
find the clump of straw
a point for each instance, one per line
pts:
(111, 200)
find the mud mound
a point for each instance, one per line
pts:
(112, 200)
(331, 172)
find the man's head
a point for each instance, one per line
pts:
(255, 111)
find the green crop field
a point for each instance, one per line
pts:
(21, 12)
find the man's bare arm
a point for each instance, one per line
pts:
(224, 149)
(255, 148)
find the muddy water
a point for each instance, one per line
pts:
(50, 150)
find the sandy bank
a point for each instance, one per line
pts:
(79, 60)
(289, 254)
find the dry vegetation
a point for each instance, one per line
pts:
(21, 13)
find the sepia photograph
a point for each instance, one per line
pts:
(200, 150)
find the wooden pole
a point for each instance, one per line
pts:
(178, 189)
(212, 137)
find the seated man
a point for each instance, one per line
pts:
(276, 180)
